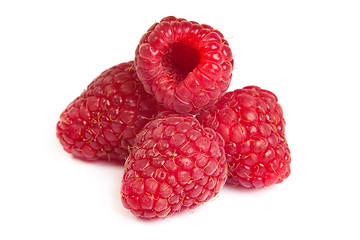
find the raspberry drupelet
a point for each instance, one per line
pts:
(103, 121)
(251, 122)
(175, 164)
(186, 65)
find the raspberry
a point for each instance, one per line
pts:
(251, 122)
(103, 121)
(186, 65)
(175, 164)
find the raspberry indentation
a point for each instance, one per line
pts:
(179, 60)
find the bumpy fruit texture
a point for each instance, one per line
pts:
(103, 121)
(251, 122)
(186, 65)
(176, 164)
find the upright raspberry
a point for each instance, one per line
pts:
(251, 122)
(175, 164)
(186, 65)
(103, 121)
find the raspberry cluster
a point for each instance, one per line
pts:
(167, 116)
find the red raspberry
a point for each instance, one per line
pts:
(103, 121)
(186, 65)
(176, 164)
(251, 122)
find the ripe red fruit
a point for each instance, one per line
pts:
(103, 121)
(186, 65)
(251, 122)
(175, 164)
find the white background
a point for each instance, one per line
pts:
(307, 52)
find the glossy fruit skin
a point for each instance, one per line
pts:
(186, 65)
(252, 124)
(175, 164)
(101, 124)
